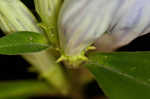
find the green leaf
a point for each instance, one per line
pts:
(122, 75)
(22, 42)
(18, 97)
(14, 89)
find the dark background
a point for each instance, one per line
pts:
(16, 68)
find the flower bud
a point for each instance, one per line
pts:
(48, 10)
(130, 20)
(14, 16)
(81, 22)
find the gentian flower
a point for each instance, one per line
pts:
(114, 22)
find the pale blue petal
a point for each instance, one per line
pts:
(130, 20)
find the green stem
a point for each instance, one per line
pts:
(46, 65)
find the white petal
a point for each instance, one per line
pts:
(81, 22)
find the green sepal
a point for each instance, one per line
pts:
(76, 60)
